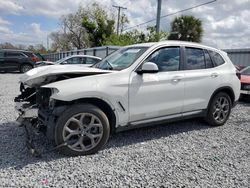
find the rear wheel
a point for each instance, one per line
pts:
(219, 109)
(24, 68)
(84, 128)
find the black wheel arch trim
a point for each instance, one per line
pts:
(223, 89)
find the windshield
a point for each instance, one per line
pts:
(246, 71)
(121, 59)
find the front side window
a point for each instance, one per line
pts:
(73, 60)
(121, 59)
(195, 59)
(167, 59)
(216, 57)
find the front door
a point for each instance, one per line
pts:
(154, 95)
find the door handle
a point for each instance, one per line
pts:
(214, 75)
(176, 79)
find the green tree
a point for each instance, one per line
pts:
(186, 28)
(98, 25)
(135, 36)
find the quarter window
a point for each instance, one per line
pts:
(195, 59)
(216, 57)
(167, 59)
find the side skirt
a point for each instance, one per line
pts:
(161, 120)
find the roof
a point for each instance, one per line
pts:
(81, 55)
(15, 50)
(173, 42)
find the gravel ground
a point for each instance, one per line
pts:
(182, 154)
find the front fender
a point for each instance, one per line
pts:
(116, 96)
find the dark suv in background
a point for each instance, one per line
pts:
(17, 60)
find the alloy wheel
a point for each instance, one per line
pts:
(83, 132)
(221, 109)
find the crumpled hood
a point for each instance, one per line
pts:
(38, 75)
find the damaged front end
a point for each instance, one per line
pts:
(27, 104)
(37, 111)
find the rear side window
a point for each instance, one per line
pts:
(195, 59)
(216, 57)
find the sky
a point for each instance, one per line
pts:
(226, 23)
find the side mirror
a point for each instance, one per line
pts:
(148, 67)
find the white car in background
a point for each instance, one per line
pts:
(138, 85)
(86, 60)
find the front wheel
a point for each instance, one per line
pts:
(219, 109)
(84, 129)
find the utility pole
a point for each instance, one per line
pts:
(47, 42)
(158, 19)
(118, 20)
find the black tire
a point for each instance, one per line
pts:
(73, 112)
(24, 68)
(214, 115)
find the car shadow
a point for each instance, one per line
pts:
(15, 154)
(156, 132)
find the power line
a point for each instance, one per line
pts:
(183, 10)
(119, 12)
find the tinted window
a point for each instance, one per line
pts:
(195, 59)
(167, 59)
(217, 59)
(14, 54)
(209, 63)
(1, 54)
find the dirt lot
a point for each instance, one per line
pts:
(182, 154)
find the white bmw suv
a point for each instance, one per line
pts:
(138, 85)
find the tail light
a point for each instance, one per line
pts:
(34, 58)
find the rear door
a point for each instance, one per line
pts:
(13, 60)
(201, 79)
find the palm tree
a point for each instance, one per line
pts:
(186, 28)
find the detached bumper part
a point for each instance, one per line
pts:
(28, 119)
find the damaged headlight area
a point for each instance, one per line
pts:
(28, 104)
